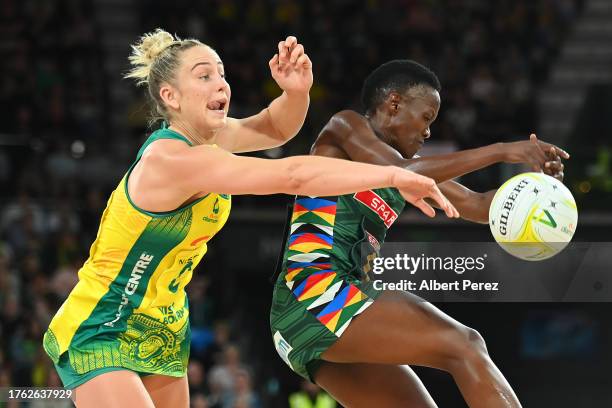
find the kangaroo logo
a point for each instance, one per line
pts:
(173, 287)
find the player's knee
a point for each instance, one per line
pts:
(469, 348)
(475, 341)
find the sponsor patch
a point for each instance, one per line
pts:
(373, 241)
(283, 348)
(375, 203)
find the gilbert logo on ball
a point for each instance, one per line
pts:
(533, 216)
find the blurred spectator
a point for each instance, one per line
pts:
(311, 396)
(222, 377)
(196, 378)
(243, 395)
(198, 401)
(59, 162)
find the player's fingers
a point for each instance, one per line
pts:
(304, 62)
(554, 166)
(424, 207)
(539, 151)
(282, 52)
(443, 202)
(551, 149)
(297, 51)
(551, 153)
(273, 61)
(290, 42)
(560, 152)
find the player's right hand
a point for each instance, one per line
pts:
(416, 188)
(538, 155)
(291, 67)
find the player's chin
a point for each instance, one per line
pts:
(216, 120)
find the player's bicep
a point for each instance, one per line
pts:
(352, 133)
(196, 169)
(210, 169)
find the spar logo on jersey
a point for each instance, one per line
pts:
(373, 241)
(375, 203)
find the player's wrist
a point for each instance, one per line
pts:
(297, 94)
(501, 152)
(401, 178)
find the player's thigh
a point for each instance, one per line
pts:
(167, 391)
(357, 385)
(401, 328)
(121, 389)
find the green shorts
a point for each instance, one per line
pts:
(71, 379)
(305, 325)
(145, 347)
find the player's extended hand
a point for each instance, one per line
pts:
(539, 155)
(416, 188)
(291, 68)
(553, 167)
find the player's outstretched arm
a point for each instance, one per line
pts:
(473, 206)
(275, 125)
(351, 132)
(170, 173)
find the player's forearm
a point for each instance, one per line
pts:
(448, 166)
(477, 209)
(308, 175)
(288, 112)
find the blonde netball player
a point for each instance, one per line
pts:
(121, 339)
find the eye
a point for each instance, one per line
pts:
(206, 77)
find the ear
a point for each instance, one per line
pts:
(170, 96)
(392, 103)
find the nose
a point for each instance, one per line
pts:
(223, 85)
(427, 133)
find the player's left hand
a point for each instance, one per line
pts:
(291, 68)
(553, 166)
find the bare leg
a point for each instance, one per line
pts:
(400, 328)
(357, 385)
(167, 391)
(121, 389)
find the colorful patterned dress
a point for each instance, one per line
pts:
(324, 282)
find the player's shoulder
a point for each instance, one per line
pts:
(163, 147)
(344, 123)
(348, 117)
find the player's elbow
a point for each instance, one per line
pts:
(294, 178)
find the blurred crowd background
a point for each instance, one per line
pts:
(70, 127)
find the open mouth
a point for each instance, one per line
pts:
(217, 105)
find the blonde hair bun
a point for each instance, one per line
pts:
(146, 50)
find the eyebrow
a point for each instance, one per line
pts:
(204, 63)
